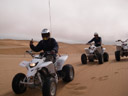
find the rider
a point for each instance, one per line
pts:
(96, 39)
(47, 44)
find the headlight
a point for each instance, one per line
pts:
(33, 64)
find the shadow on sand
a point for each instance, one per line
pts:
(121, 60)
(88, 64)
(35, 92)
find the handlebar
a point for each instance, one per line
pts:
(30, 52)
(122, 41)
(90, 43)
(47, 53)
(41, 54)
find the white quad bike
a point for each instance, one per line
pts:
(121, 49)
(94, 53)
(42, 74)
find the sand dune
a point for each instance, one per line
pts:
(108, 79)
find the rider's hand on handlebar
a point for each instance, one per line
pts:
(87, 43)
(118, 40)
(53, 52)
(31, 42)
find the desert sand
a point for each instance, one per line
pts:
(108, 79)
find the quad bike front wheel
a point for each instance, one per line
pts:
(17, 86)
(100, 58)
(68, 73)
(117, 55)
(49, 87)
(84, 59)
(105, 56)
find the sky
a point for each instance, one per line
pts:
(72, 21)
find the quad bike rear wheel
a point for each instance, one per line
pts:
(84, 59)
(68, 73)
(17, 86)
(117, 55)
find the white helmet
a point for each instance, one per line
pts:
(95, 33)
(45, 31)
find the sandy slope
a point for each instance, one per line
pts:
(108, 79)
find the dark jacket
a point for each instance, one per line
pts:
(46, 45)
(97, 41)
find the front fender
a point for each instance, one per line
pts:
(24, 63)
(49, 65)
(31, 72)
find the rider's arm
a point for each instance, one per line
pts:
(56, 47)
(91, 40)
(36, 48)
(100, 40)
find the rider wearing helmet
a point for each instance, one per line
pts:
(47, 44)
(96, 39)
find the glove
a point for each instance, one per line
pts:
(53, 52)
(87, 44)
(31, 42)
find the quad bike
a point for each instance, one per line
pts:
(121, 49)
(94, 53)
(43, 74)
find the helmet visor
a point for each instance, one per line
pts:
(95, 35)
(45, 35)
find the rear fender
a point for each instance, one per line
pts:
(104, 50)
(125, 47)
(118, 44)
(60, 61)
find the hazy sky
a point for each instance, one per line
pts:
(72, 20)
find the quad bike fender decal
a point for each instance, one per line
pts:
(44, 64)
(24, 63)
